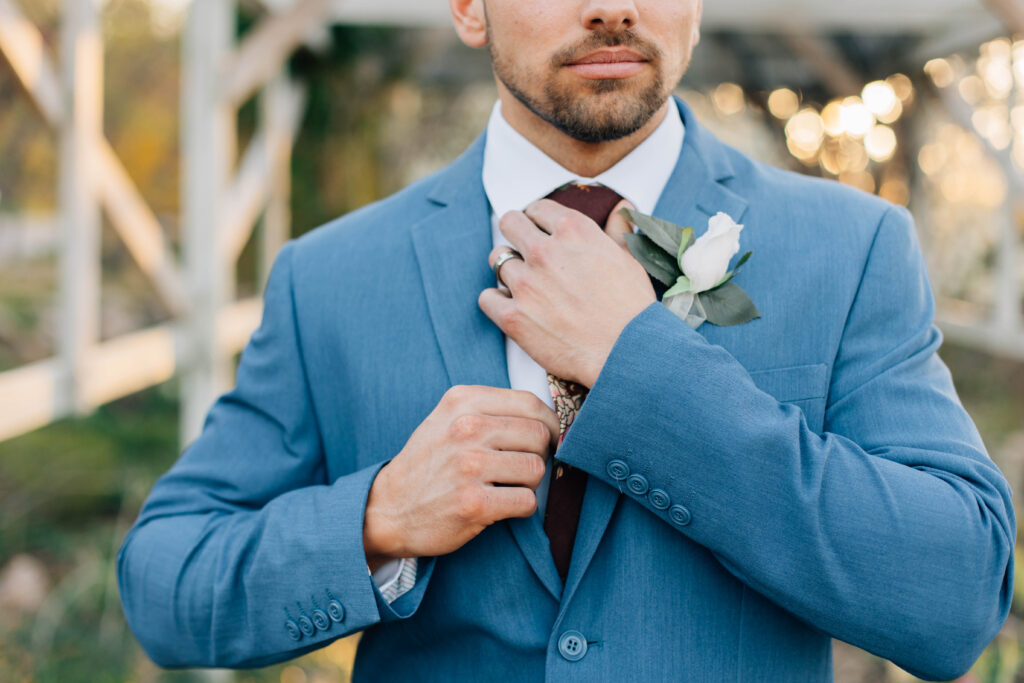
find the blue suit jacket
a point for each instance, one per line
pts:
(753, 490)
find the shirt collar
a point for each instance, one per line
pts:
(516, 172)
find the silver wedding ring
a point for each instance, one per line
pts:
(500, 261)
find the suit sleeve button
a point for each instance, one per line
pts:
(679, 515)
(617, 470)
(336, 611)
(320, 619)
(659, 499)
(637, 484)
(306, 626)
(293, 629)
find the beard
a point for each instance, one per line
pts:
(608, 109)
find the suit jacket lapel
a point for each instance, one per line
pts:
(694, 193)
(451, 246)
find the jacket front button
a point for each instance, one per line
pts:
(336, 611)
(617, 470)
(293, 629)
(321, 620)
(306, 626)
(659, 499)
(679, 515)
(572, 646)
(637, 484)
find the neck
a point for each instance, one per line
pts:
(586, 159)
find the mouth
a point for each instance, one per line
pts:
(608, 63)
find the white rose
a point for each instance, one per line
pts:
(707, 260)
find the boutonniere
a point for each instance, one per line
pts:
(695, 271)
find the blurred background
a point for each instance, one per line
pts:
(155, 154)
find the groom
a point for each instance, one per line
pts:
(726, 500)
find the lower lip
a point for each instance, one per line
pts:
(600, 70)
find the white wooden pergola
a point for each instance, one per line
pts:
(221, 208)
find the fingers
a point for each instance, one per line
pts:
(510, 270)
(501, 402)
(618, 226)
(521, 232)
(516, 434)
(503, 502)
(513, 467)
(497, 304)
(552, 217)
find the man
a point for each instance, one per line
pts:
(742, 493)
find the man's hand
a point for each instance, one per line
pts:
(574, 292)
(442, 489)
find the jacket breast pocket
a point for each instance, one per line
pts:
(804, 386)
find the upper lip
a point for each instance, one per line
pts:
(609, 56)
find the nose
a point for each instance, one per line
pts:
(610, 15)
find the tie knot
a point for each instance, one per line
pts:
(593, 201)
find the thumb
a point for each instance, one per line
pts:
(618, 226)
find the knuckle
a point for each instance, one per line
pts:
(471, 504)
(466, 426)
(471, 464)
(456, 393)
(536, 253)
(567, 222)
(510, 320)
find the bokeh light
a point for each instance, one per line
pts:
(729, 99)
(880, 143)
(783, 103)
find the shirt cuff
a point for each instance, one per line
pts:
(395, 577)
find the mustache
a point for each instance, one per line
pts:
(599, 39)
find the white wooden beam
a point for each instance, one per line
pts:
(112, 369)
(138, 228)
(131, 217)
(1006, 324)
(263, 52)
(208, 145)
(280, 105)
(266, 159)
(81, 122)
(22, 45)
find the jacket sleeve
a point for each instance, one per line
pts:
(244, 554)
(892, 529)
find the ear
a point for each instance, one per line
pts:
(470, 21)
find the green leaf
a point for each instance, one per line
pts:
(728, 276)
(686, 239)
(682, 286)
(728, 305)
(666, 235)
(743, 259)
(659, 264)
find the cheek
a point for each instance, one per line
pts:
(675, 24)
(534, 29)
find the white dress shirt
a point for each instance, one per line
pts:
(517, 173)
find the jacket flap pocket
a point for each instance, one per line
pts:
(793, 383)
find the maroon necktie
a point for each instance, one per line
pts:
(565, 492)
